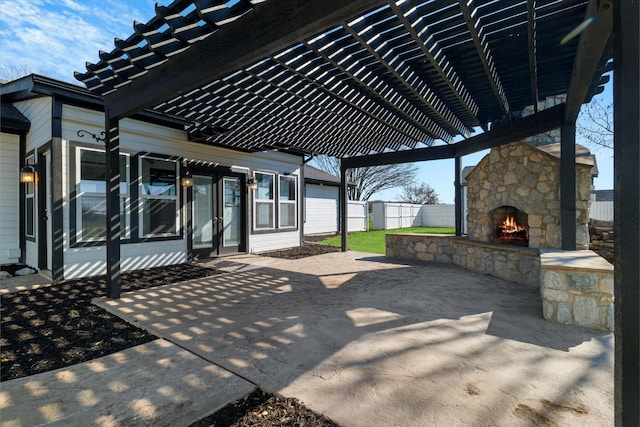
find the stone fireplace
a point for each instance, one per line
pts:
(520, 183)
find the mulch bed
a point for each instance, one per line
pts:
(57, 326)
(307, 249)
(261, 409)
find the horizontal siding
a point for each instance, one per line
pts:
(321, 204)
(136, 137)
(10, 200)
(39, 112)
(83, 262)
(273, 241)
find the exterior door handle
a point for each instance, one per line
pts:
(221, 219)
(215, 218)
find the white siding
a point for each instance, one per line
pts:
(601, 210)
(135, 137)
(10, 200)
(39, 112)
(321, 205)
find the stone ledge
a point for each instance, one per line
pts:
(583, 260)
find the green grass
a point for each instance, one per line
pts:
(373, 241)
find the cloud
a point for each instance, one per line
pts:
(57, 37)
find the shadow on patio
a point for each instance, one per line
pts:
(369, 342)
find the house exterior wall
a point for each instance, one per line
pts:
(80, 260)
(321, 205)
(10, 200)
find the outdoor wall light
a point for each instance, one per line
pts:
(187, 179)
(27, 174)
(252, 184)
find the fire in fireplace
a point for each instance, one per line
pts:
(511, 226)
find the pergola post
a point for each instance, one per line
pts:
(112, 146)
(344, 207)
(568, 186)
(458, 197)
(626, 114)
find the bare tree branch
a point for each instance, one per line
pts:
(370, 180)
(595, 123)
(421, 194)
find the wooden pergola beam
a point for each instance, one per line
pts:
(533, 60)
(543, 121)
(484, 53)
(437, 59)
(265, 30)
(589, 52)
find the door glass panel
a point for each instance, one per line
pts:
(231, 203)
(202, 212)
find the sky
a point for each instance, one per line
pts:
(57, 37)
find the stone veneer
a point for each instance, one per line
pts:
(528, 178)
(576, 286)
(513, 263)
(577, 289)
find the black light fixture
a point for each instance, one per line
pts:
(27, 174)
(187, 178)
(252, 184)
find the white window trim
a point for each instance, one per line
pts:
(272, 201)
(143, 197)
(124, 198)
(293, 202)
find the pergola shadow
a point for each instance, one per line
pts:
(372, 330)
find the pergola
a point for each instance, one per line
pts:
(378, 82)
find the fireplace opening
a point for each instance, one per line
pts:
(511, 226)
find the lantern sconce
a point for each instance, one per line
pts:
(187, 178)
(28, 174)
(252, 184)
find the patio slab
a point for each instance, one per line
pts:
(155, 384)
(367, 341)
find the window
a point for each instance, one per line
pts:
(264, 201)
(288, 201)
(159, 212)
(29, 204)
(91, 200)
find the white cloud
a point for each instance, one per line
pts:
(57, 37)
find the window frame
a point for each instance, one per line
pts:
(125, 197)
(293, 202)
(143, 197)
(271, 201)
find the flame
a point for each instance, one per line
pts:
(509, 226)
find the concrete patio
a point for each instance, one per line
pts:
(361, 339)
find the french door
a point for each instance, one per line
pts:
(218, 214)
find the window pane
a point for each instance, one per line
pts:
(159, 216)
(265, 186)
(287, 215)
(94, 217)
(158, 177)
(287, 188)
(93, 169)
(264, 215)
(29, 214)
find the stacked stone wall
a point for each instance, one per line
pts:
(526, 178)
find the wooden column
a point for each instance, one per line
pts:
(112, 145)
(459, 211)
(626, 95)
(568, 186)
(344, 207)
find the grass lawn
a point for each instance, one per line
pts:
(373, 241)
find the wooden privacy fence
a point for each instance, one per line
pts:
(389, 215)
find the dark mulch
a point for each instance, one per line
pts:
(261, 409)
(307, 249)
(57, 326)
